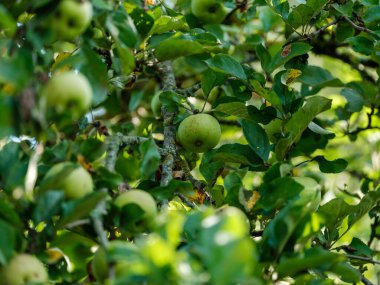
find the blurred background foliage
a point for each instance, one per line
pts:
(290, 194)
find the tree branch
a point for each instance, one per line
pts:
(366, 281)
(168, 81)
(360, 28)
(320, 30)
(363, 258)
(184, 200)
(186, 170)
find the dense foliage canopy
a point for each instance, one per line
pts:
(109, 174)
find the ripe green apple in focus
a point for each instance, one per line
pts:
(73, 179)
(208, 11)
(71, 19)
(199, 133)
(68, 92)
(143, 200)
(24, 269)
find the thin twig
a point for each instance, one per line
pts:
(363, 258)
(360, 28)
(366, 281)
(184, 200)
(186, 170)
(320, 30)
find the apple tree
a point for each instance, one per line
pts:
(189, 142)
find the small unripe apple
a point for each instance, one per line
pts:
(24, 269)
(71, 19)
(73, 179)
(68, 92)
(147, 204)
(156, 105)
(199, 133)
(208, 11)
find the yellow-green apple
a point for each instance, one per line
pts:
(199, 133)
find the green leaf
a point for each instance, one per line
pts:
(7, 23)
(92, 149)
(257, 138)
(107, 178)
(277, 193)
(121, 30)
(300, 121)
(78, 209)
(270, 96)
(232, 185)
(317, 78)
(48, 204)
(346, 272)
(150, 158)
(226, 64)
(7, 242)
(124, 59)
(214, 160)
(166, 192)
(264, 56)
(355, 101)
(173, 48)
(210, 79)
(8, 213)
(345, 9)
(300, 15)
(17, 70)
(96, 72)
(318, 129)
(12, 170)
(142, 20)
(7, 119)
(361, 44)
(293, 50)
(334, 166)
(166, 23)
(171, 100)
(238, 109)
(264, 115)
(336, 210)
(314, 258)
(372, 14)
(278, 232)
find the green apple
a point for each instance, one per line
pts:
(24, 269)
(68, 92)
(156, 105)
(143, 200)
(71, 19)
(73, 179)
(199, 133)
(208, 11)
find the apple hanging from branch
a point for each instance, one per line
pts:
(199, 133)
